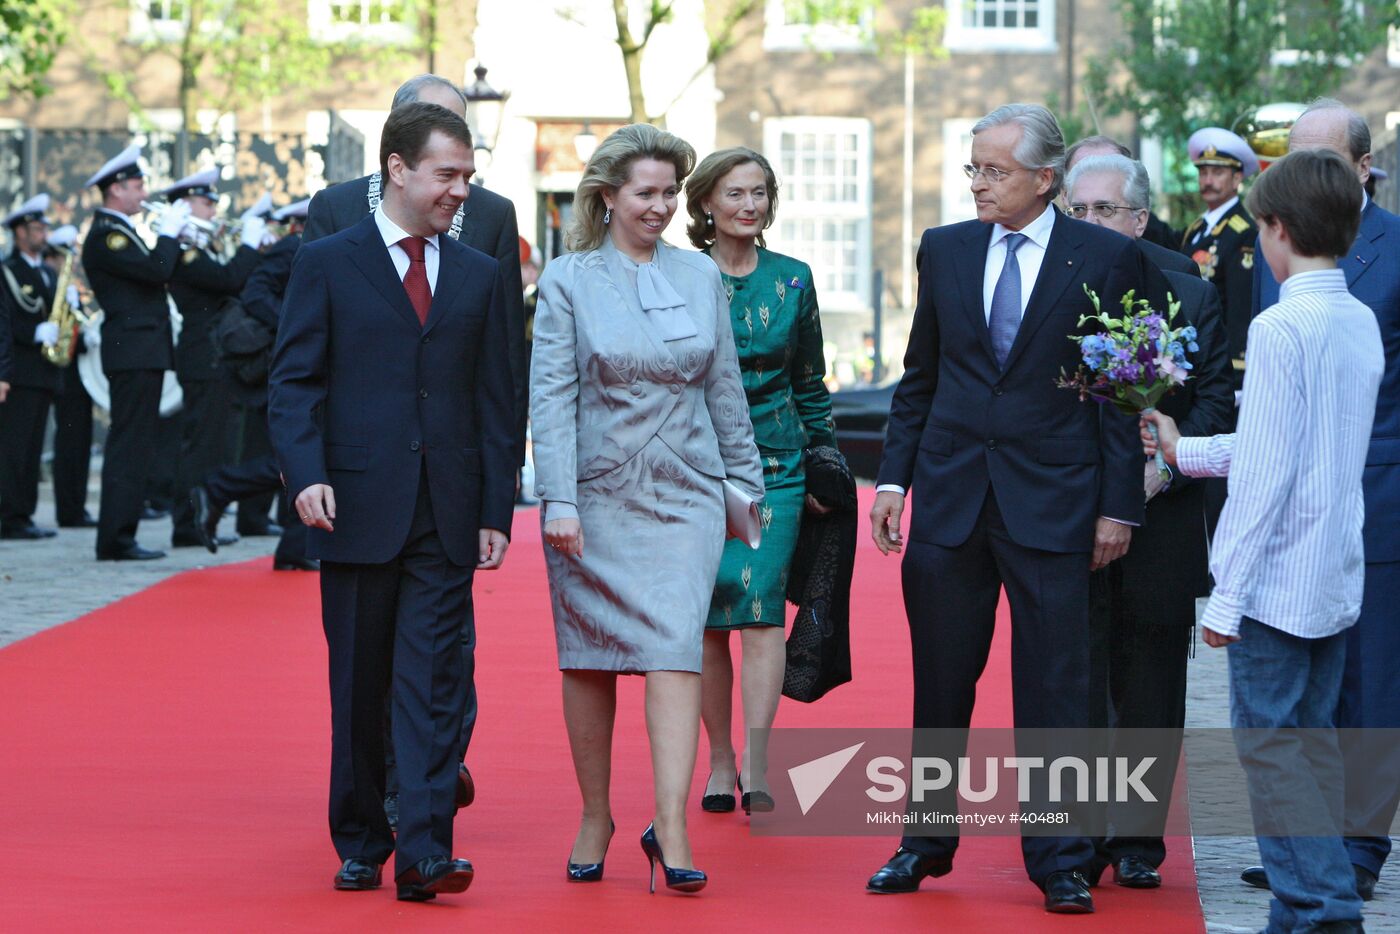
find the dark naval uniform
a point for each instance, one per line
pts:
(1225, 255)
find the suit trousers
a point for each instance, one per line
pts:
(1371, 701)
(396, 624)
(950, 597)
(204, 427)
(72, 449)
(23, 416)
(128, 456)
(1139, 680)
(259, 476)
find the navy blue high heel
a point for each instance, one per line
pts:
(682, 880)
(590, 872)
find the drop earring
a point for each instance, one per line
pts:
(607, 216)
(709, 219)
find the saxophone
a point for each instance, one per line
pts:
(68, 318)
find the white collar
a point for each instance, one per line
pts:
(393, 233)
(1037, 231)
(1212, 217)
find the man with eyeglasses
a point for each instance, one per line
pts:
(1158, 231)
(1015, 482)
(1221, 240)
(1142, 608)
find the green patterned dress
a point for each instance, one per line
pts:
(778, 332)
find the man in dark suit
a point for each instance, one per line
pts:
(29, 286)
(1015, 482)
(485, 221)
(203, 280)
(1371, 680)
(1157, 231)
(390, 412)
(1142, 608)
(128, 281)
(258, 473)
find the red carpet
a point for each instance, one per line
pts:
(166, 759)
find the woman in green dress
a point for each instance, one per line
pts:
(732, 197)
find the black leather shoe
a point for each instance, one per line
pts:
(432, 876)
(130, 553)
(905, 870)
(295, 564)
(30, 532)
(1134, 872)
(86, 521)
(196, 540)
(206, 519)
(1067, 893)
(1365, 880)
(466, 788)
(267, 530)
(358, 875)
(391, 809)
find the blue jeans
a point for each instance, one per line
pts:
(1280, 682)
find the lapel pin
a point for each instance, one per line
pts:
(1069, 262)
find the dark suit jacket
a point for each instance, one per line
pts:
(262, 293)
(1372, 269)
(199, 287)
(7, 360)
(959, 425)
(362, 396)
(29, 366)
(1169, 260)
(1167, 567)
(488, 223)
(128, 281)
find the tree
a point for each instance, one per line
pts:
(31, 33)
(1184, 64)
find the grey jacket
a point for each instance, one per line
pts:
(603, 382)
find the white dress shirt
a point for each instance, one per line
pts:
(1288, 549)
(1212, 217)
(392, 234)
(1029, 256)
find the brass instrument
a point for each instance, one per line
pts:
(1266, 128)
(69, 319)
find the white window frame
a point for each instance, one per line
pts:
(859, 211)
(324, 28)
(142, 28)
(1392, 48)
(781, 36)
(956, 201)
(959, 37)
(1287, 58)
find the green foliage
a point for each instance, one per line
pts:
(1184, 64)
(31, 33)
(921, 33)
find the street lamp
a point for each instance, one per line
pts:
(487, 108)
(586, 143)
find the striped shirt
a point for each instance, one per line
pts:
(1288, 549)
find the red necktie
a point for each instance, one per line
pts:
(415, 281)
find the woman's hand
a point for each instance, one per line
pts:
(815, 507)
(564, 536)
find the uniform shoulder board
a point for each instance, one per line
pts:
(1216, 230)
(1238, 224)
(189, 256)
(796, 283)
(116, 240)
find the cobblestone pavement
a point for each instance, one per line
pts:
(46, 583)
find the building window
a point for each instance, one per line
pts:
(158, 20)
(1000, 25)
(796, 25)
(390, 21)
(823, 166)
(957, 202)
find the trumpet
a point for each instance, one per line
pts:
(158, 209)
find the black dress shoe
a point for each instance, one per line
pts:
(206, 519)
(1134, 872)
(86, 521)
(295, 564)
(1067, 893)
(267, 530)
(358, 875)
(432, 876)
(905, 870)
(391, 809)
(1365, 880)
(721, 803)
(130, 553)
(30, 532)
(466, 788)
(196, 540)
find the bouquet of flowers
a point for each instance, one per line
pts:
(1135, 360)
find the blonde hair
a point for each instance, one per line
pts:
(609, 170)
(708, 174)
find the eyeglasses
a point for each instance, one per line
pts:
(990, 173)
(1104, 209)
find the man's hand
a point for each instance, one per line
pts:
(1167, 435)
(173, 218)
(316, 506)
(884, 522)
(564, 536)
(491, 546)
(46, 333)
(1152, 482)
(4, 390)
(1110, 542)
(1215, 640)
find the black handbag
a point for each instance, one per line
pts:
(243, 342)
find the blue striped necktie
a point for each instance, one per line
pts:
(1005, 317)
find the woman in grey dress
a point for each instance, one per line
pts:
(638, 414)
